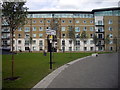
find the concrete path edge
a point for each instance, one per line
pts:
(49, 78)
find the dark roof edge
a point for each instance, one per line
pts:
(106, 9)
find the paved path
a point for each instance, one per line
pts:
(93, 72)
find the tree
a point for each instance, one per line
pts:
(95, 40)
(15, 15)
(71, 34)
(107, 40)
(83, 37)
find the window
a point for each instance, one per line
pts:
(110, 48)
(63, 42)
(41, 21)
(99, 22)
(110, 35)
(63, 35)
(40, 35)
(100, 48)
(91, 28)
(100, 29)
(91, 35)
(70, 21)
(34, 35)
(34, 21)
(77, 29)
(19, 29)
(100, 36)
(110, 22)
(110, 28)
(27, 35)
(85, 42)
(77, 42)
(19, 35)
(19, 41)
(48, 27)
(84, 21)
(41, 49)
(26, 42)
(77, 35)
(34, 42)
(77, 21)
(111, 42)
(91, 48)
(48, 21)
(85, 48)
(41, 29)
(27, 29)
(63, 21)
(63, 28)
(19, 48)
(40, 42)
(70, 41)
(34, 48)
(91, 21)
(84, 28)
(34, 28)
(91, 41)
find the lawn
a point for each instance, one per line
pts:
(33, 67)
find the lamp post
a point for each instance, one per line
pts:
(50, 38)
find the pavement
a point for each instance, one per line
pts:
(88, 72)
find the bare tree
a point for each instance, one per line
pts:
(15, 15)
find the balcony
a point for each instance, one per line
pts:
(99, 24)
(5, 31)
(5, 37)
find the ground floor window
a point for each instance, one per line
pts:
(91, 48)
(110, 48)
(41, 48)
(100, 48)
(34, 48)
(26, 48)
(85, 48)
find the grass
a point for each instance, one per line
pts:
(33, 67)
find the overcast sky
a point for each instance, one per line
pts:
(70, 5)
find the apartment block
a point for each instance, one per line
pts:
(68, 25)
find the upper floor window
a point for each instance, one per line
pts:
(84, 28)
(63, 42)
(41, 21)
(63, 28)
(19, 35)
(77, 21)
(41, 29)
(70, 21)
(99, 22)
(34, 41)
(40, 35)
(63, 21)
(19, 29)
(19, 41)
(77, 42)
(34, 28)
(27, 29)
(63, 35)
(34, 35)
(110, 28)
(34, 21)
(84, 21)
(110, 22)
(48, 21)
(40, 42)
(77, 29)
(91, 28)
(91, 21)
(110, 35)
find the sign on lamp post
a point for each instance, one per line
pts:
(50, 33)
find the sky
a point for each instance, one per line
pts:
(69, 5)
